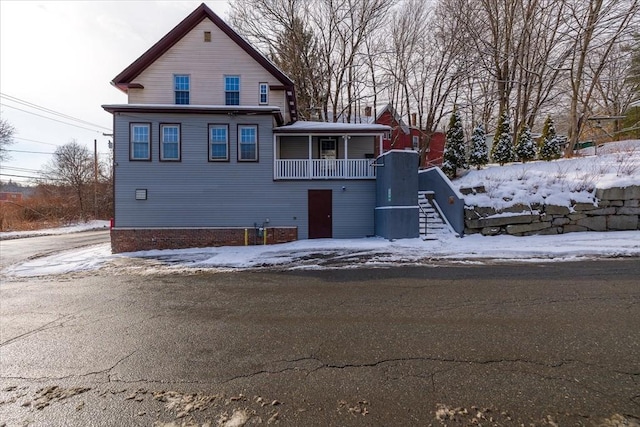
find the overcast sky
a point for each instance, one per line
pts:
(61, 56)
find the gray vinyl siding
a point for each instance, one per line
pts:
(297, 147)
(197, 193)
(361, 145)
(294, 147)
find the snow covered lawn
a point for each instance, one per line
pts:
(559, 182)
(348, 253)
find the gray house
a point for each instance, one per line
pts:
(208, 151)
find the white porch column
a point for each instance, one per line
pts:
(309, 163)
(345, 169)
(380, 142)
(346, 146)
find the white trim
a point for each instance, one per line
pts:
(328, 134)
(240, 143)
(224, 126)
(260, 85)
(397, 207)
(162, 144)
(212, 108)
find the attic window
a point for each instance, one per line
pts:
(207, 36)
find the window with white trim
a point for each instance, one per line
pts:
(264, 93)
(416, 142)
(181, 85)
(248, 143)
(140, 141)
(218, 143)
(232, 90)
(170, 142)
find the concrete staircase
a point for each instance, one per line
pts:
(431, 218)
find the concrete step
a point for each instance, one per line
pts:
(430, 218)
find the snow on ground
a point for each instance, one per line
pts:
(342, 253)
(561, 182)
(73, 228)
(558, 182)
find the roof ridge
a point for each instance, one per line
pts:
(178, 32)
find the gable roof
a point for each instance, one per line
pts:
(395, 115)
(122, 80)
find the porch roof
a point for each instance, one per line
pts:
(304, 127)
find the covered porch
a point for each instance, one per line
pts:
(318, 150)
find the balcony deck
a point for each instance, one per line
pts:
(324, 169)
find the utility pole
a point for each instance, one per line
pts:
(95, 179)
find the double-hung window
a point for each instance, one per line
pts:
(181, 86)
(218, 143)
(232, 90)
(170, 142)
(247, 143)
(264, 93)
(140, 141)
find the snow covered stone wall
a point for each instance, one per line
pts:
(615, 209)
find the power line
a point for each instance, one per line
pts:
(50, 118)
(18, 169)
(30, 152)
(33, 140)
(48, 110)
(20, 176)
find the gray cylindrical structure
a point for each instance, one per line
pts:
(397, 211)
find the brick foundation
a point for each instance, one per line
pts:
(143, 239)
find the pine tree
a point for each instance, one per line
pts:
(550, 143)
(455, 156)
(525, 148)
(479, 154)
(503, 151)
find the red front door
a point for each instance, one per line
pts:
(320, 214)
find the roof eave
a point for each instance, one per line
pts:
(191, 109)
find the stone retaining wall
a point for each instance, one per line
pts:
(615, 209)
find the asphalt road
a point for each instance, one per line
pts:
(15, 250)
(455, 345)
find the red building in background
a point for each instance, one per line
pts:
(407, 137)
(7, 196)
(403, 136)
(434, 152)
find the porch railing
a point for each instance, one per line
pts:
(324, 169)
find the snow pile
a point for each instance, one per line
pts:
(561, 182)
(337, 253)
(83, 259)
(74, 228)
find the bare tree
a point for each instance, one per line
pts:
(614, 91)
(6, 138)
(596, 26)
(343, 26)
(542, 55)
(444, 64)
(72, 166)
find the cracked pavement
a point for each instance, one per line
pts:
(541, 344)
